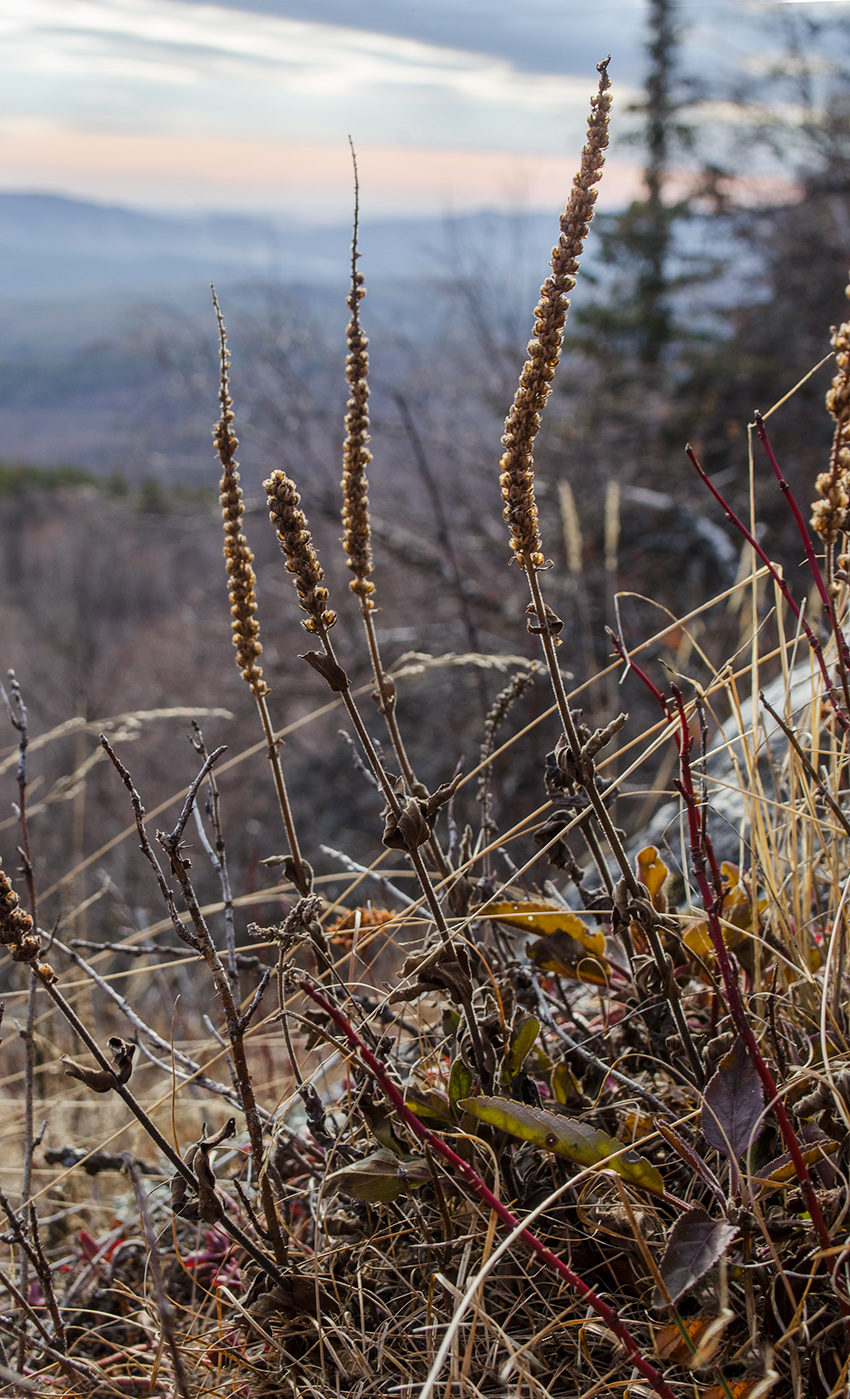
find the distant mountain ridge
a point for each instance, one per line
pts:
(50, 244)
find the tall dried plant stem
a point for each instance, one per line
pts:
(520, 509)
(241, 586)
(236, 1023)
(235, 1231)
(357, 534)
(18, 716)
(302, 562)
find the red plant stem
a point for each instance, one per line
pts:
(780, 583)
(798, 516)
(617, 643)
(474, 1181)
(733, 992)
(820, 583)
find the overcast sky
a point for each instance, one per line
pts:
(452, 104)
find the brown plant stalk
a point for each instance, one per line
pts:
(410, 818)
(520, 508)
(356, 540)
(242, 591)
(236, 1023)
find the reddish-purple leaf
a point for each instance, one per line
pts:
(696, 1242)
(690, 1157)
(733, 1104)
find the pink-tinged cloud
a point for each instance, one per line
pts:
(306, 178)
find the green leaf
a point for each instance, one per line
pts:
(522, 1043)
(460, 1082)
(429, 1105)
(577, 1142)
(380, 1177)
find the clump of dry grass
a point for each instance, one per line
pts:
(591, 1137)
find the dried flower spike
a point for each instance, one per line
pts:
(356, 455)
(241, 579)
(544, 350)
(17, 930)
(297, 545)
(830, 514)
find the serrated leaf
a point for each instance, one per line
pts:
(733, 1104)
(577, 1142)
(696, 1242)
(535, 917)
(461, 1080)
(522, 1043)
(380, 1177)
(690, 1157)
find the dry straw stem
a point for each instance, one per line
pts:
(242, 590)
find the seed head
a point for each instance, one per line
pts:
(241, 579)
(831, 514)
(544, 350)
(297, 547)
(17, 930)
(356, 454)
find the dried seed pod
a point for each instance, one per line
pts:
(356, 539)
(296, 543)
(102, 1080)
(544, 350)
(241, 579)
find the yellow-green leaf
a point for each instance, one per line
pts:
(565, 1085)
(428, 1104)
(380, 1177)
(461, 1080)
(522, 1043)
(544, 918)
(575, 1140)
(653, 872)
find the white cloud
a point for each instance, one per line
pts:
(247, 68)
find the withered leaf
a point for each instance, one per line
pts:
(690, 1157)
(380, 1177)
(733, 1104)
(696, 1242)
(328, 668)
(102, 1080)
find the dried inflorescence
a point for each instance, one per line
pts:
(830, 514)
(544, 350)
(17, 930)
(241, 579)
(356, 455)
(296, 543)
